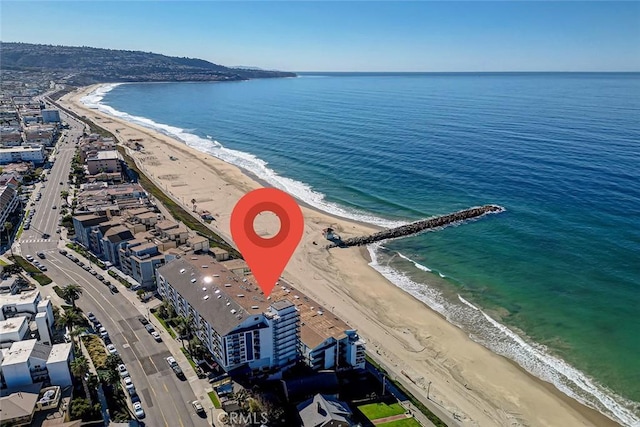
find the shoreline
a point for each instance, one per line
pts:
(426, 346)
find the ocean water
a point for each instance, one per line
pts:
(553, 283)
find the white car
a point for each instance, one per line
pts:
(171, 361)
(137, 409)
(128, 384)
(112, 349)
(122, 370)
(103, 332)
(156, 336)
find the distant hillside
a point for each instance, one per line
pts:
(88, 65)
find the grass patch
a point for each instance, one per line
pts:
(214, 399)
(407, 422)
(2, 263)
(177, 211)
(164, 324)
(96, 350)
(373, 411)
(58, 290)
(32, 270)
(82, 251)
(191, 362)
(418, 404)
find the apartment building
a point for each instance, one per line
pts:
(243, 329)
(23, 153)
(28, 362)
(9, 202)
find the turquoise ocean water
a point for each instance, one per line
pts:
(553, 283)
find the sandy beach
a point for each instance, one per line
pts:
(411, 340)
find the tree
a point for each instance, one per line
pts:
(112, 362)
(79, 368)
(68, 319)
(71, 293)
(81, 409)
(64, 194)
(183, 327)
(193, 202)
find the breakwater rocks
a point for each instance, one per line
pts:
(418, 226)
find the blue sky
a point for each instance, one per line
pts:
(348, 36)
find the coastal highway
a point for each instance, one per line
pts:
(165, 398)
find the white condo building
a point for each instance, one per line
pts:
(22, 153)
(244, 330)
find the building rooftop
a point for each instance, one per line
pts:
(105, 155)
(13, 324)
(59, 353)
(234, 264)
(19, 352)
(324, 410)
(17, 405)
(21, 298)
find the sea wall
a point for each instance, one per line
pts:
(418, 226)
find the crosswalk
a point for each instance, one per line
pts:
(36, 241)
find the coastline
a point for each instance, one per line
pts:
(466, 378)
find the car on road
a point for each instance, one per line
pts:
(62, 251)
(41, 255)
(93, 272)
(103, 332)
(29, 258)
(171, 361)
(112, 349)
(197, 406)
(91, 316)
(86, 268)
(46, 236)
(143, 320)
(113, 289)
(137, 409)
(61, 183)
(99, 277)
(128, 384)
(149, 327)
(156, 336)
(54, 207)
(122, 370)
(80, 263)
(42, 267)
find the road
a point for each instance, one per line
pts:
(165, 398)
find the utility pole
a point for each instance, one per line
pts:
(428, 389)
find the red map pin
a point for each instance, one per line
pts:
(267, 258)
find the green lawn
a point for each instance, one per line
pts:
(407, 422)
(214, 399)
(373, 411)
(34, 271)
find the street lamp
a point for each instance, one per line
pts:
(428, 388)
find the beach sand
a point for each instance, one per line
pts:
(407, 337)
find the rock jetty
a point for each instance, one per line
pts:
(418, 226)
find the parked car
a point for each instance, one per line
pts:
(197, 406)
(103, 332)
(171, 361)
(149, 327)
(137, 409)
(113, 289)
(128, 384)
(29, 258)
(41, 255)
(42, 267)
(156, 336)
(143, 320)
(62, 251)
(91, 316)
(122, 370)
(112, 349)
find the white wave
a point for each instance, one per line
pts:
(441, 275)
(418, 265)
(244, 160)
(534, 358)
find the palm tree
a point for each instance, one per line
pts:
(71, 293)
(110, 377)
(68, 319)
(183, 327)
(79, 368)
(112, 362)
(64, 194)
